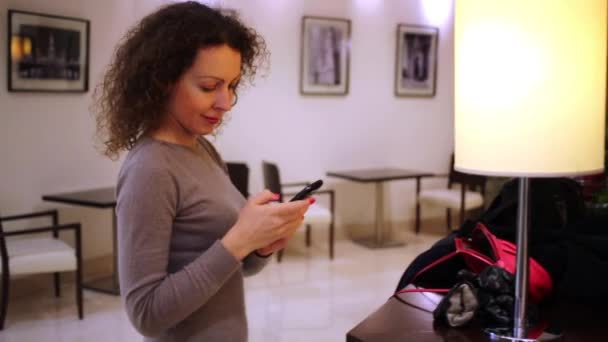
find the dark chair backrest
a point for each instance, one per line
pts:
(472, 182)
(239, 175)
(272, 179)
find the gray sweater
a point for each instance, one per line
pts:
(177, 280)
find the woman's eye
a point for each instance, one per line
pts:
(207, 89)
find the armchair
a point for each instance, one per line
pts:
(469, 196)
(39, 254)
(315, 215)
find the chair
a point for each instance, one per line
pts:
(39, 254)
(469, 196)
(239, 175)
(316, 213)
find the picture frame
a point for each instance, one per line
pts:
(325, 56)
(47, 53)
(416, 60)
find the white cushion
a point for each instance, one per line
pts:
(317, 214)
(39, 255)
(450, 198)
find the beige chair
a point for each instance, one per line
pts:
(39, 253)
(316, 215)
(467, 196)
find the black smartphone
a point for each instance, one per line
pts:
(309, 189)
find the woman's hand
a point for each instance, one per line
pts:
(273, 247)
(261, 225)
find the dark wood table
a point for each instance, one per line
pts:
(381, 237)
(102, 198)
(410, 318)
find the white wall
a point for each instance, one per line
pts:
(46, 140)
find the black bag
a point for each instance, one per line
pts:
(554, 204)
(443, 277)
(571, 245)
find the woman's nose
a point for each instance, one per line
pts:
(224, 99)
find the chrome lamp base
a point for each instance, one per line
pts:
(519, 332)
(506, 335)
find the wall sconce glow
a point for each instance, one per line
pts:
(437, 12)
(368, 5)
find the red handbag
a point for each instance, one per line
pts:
(484, 249)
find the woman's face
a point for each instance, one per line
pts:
(204, 93)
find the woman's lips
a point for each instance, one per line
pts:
(211, 120)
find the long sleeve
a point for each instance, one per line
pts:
(253, 264)
(156, 300)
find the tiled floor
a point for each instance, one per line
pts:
(305, 297)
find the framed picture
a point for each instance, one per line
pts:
(416, 60)
(47, 53)
(324, 62)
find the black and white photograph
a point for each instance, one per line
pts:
(416, 60)
(47, 53)
(325, 56)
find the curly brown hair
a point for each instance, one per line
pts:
(131, 98)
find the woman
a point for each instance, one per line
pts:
(186, 236)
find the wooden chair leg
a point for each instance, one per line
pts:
(279, 255)
(5, 294)
(57, 281)
(307, 235)
(448, 214)
(79, 293)
(79, 274)
(461, 215)
(331, 241)
(417, 227)
(417, 217)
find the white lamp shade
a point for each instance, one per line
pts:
(530, 87)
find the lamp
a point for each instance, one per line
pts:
(530, 89)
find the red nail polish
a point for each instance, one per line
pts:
(276, 197)
(311, 200)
